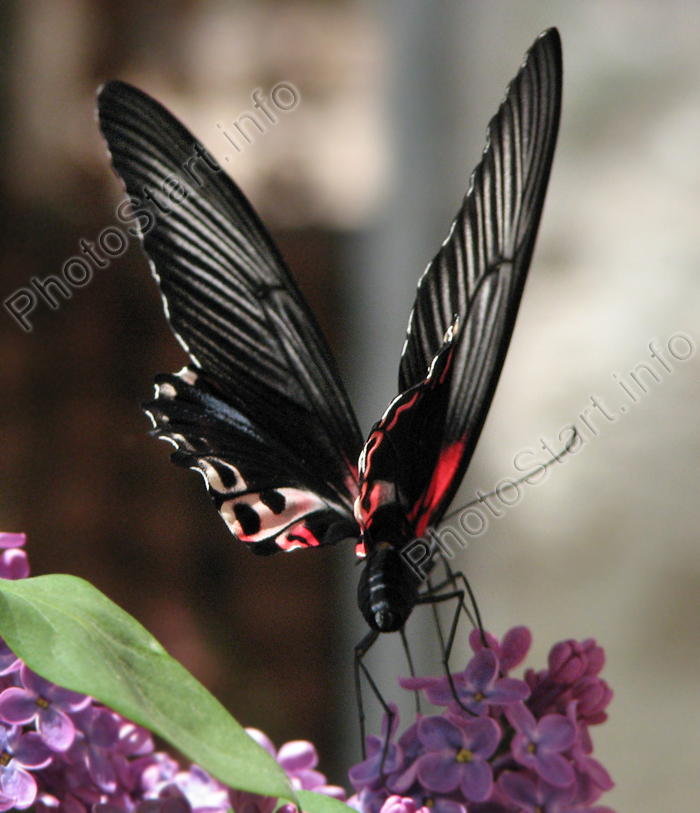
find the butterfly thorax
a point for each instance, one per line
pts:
(392, 492)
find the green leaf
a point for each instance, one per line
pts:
(318, 803)
(71, 634)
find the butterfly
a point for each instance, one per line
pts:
(261, 412)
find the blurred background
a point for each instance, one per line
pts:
(359, 183)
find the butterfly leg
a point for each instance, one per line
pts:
(360, 669)
(435, 596)
(412, 671)
(452, 578)
(446, 649)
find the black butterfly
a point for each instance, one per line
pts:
(261, 412)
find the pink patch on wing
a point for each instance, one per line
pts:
(298, 536)
(446, 468)
(298, 504)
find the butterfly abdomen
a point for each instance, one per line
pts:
(388, 589)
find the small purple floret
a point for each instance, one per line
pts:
(19, 752)
(371, 772)
(511, 652)
(477, 688)
(8, 540)
(538, 744)
(298, 759)
(45, 702)
(9, 662)
(456, 756)
(14, 564)
(535, 795)
(402, 804)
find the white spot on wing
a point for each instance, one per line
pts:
(166, 391)
(298, 504)
(188, 376)
(213, 478)
(169, 440)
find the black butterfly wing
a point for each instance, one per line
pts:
(468, 297)
(260, 360)
(268, 499)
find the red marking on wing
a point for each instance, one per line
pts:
(360, 550)
(298, 536)
(445, 471)
(373, 443)
(376, 497)
(402, 408)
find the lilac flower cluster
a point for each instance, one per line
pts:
(63, 752)
(502, 745)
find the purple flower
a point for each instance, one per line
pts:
(46, 803)
(19, 751)
(536, 796)
(244, 802)
(477, 688)
(132, 754)
(47, 703)
(298, 759)
(170, 801)
(456, 756)
(402, 804)
(71, 784)
(490, 806)
(511, 652)
(9, 662)
(203, 792)
(439, 804)
(368, 800)
(133, 739)
(149, 772)
(14, 564)
(421, 801)
(8, 540)
(537, 744)
(98, 734)
(593, 695)
(370, 772)
(591, 777)
(572, 675)
(571, 660)
(410, 748)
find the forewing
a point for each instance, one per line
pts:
(228, 295)
(479, 273)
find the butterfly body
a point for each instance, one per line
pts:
(262, 413)
(388, 589)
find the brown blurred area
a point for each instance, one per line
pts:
(96, 496)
